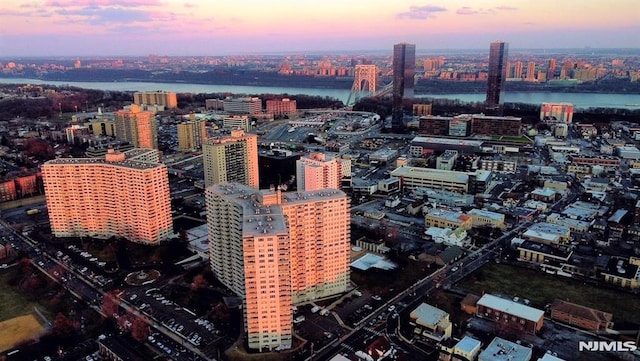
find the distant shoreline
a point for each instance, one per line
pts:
(251, 78)
(581, 100)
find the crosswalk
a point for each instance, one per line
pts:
(347, 347)
(371, 330)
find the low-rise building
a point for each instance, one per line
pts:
(581, 316)
(114, 349)
(502, 350)
(447, 160)
(443, 218)
(416, 177)
(501, 166)
(623, 272)
(535, 252)
(431, 322)
(383, 156)
(465, 349)
(574, 225)
(483, 217)
(548, 233)
(544, 194)
(512, 314)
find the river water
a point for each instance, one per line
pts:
(579, 100)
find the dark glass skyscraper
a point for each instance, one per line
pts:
(404, 69)
(497, 73)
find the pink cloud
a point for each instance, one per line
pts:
(421, 12)
(29, 5)
(506, 7)
(465, 10)
(111, 3)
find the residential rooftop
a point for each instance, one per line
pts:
(510, 307)
(502, 350)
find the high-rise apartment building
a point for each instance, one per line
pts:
(122, 195)
(162, 98)
(191, 134)
(231, 158)
(404, 68)
(551, 69)
(497, 74)
(137, 127)
(531, 71)
(276, 250)
(556, 112)
(517, 70)
(318, 171)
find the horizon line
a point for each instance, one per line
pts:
(319, 52)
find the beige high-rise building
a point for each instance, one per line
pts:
(232, 158)
(137, 127)
(191, 134)
(122, 195)
(166, 99)
(531, 71)
(318, 171)
(276, 250)
(517, 70)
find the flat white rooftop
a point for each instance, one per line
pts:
(510, 307)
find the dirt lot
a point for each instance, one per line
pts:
(17, 330)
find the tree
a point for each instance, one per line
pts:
(62, 326)
(221, 312)
(198, 282)
(110, 303)
(139, 328)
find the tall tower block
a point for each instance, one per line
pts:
(498, 52)
(404, 68)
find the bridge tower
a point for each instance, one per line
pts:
(364, 82)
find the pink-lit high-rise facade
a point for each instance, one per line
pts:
(277, 250)
(137, 126)
(122, 195)
(318, 171)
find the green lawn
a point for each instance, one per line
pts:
(513, 139)
(13, 302)
(541, 289)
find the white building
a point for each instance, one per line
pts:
(447, 160)
(242, 105)
(237, 122)
(629, 152)
(502, 350)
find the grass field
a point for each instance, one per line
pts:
(13, 302)
(541, 289)
(18, 330)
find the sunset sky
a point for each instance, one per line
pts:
(208, 27)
